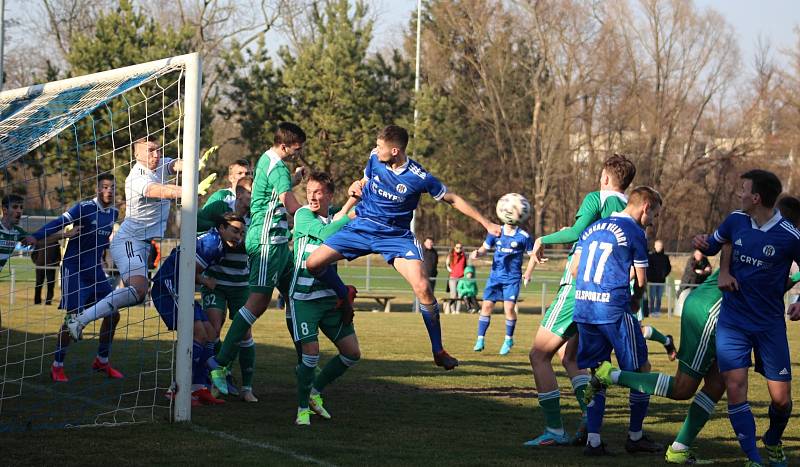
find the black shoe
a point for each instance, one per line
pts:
(670, 348)
(37, 301)
(644, 444)
(597, 452)
(48, 302)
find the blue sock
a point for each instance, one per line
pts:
(744, 427)
(595, 412)
(430, 315)
(777, 423)
(483, 324)
(332, 280)
(61, 352)
(639, 403)
(104, 349)
(510, 325)
(198, 367)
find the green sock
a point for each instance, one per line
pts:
(239, 327)
(298, 347)
(247, 362)
(657, 384)
(550, 402)
(699, 412)
(305, 376)
(652, 334)
(579, 384)
(332, 370)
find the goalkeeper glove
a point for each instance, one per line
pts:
(205, 156)
(203, 187)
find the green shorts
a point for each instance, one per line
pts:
(558, 317)
(225, 296)
(698, 348)
(310, 316)
(270, 267)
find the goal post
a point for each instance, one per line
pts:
(55, 140)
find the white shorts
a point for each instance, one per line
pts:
(130, 257)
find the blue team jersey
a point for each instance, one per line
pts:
(210, 251)
(96, 223)
(609, 248)
(761, 260)
(508, 253)
(391, 196)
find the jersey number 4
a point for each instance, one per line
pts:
(605, 249)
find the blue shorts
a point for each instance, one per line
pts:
(771, 349)
(82, 288)
(497, 291)
(361, 237)
(596, 341)
(167, 307)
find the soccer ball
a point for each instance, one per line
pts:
(513, 208)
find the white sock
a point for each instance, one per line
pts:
(593, 439)
(102, 359)
(197, 387)
(676, 446)
(480, 338)
(314, 391)
(58, 364)
(555, 431)
(508, 338)
(109, 305)
(615, 376)
(647, 332)
(635, 435)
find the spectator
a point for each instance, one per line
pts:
(658, 269)
(430, 259)
(46, 256)
(468, 290)
(697, 270)
(456, 262)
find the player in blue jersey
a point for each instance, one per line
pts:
(604, 309)
(83, 280)
(391, 188)
(210, 250)
(504, 280)
(751, 317)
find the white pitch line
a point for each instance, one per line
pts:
(261, 445)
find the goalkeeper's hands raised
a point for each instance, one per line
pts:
(204, 185)
(205, 156)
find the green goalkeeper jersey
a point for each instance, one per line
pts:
(8, 242)
(269, 225)
(595, 206)
(310, 231)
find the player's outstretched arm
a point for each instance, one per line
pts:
(160, 190)
(526, 276)
(290, 201)
(465, 208)
(306, 223)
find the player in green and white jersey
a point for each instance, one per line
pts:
(236, 171)
(232, 287)
(266, 242)
(313, 303)
(10, 231)
(557, 327)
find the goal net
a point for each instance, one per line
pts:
(58, 143)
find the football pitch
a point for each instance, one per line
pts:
(394, 408)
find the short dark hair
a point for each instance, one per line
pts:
(766, 185)
(105, 176)
(324, 178)
(289, 133)
(241, 162)
(621, 169)
(789, 206)
(396, 135)
(644, 195)
(428, 237)
(225, 219)
(244, 184)
(8, 200)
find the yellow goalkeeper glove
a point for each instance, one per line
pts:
(205, 156)
(203, 187)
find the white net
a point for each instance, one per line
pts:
(59, 142)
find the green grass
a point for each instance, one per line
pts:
(394, 408)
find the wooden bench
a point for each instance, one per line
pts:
(448, 303)
(385, 301)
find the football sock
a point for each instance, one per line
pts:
(198, 367)
(652, 334)
(744, 427)
(298, 347)
(699, 412)
(103, 349)
(243, 320)
(579, 384)
(217, 345)
(483, 324)
(61, 350)
(305, 376)
(430, 315)
(109, 305)
(332, 370)
(550, 402)
(777, 423)
(247, 361)
(510, 325)
(657, 384)
(594, 417)
(332, 280)
(639, 402)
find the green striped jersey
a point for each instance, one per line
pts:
(234, 269)
(310, 231)
(226, 194)
(269, 225)
(9, 237)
